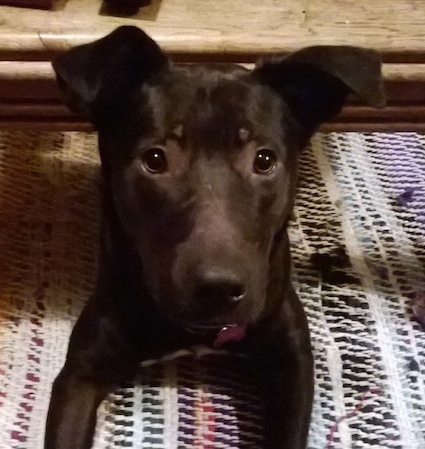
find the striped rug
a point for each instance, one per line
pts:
(358, 238)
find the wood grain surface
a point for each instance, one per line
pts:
(234, 27)
(210, 31)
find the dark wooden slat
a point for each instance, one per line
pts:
(70, 125)
(37, 4)
(28, 95)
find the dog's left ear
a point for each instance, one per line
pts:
(316, 80)
(98, 79)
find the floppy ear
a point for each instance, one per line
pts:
(97, 78)
(316, 80)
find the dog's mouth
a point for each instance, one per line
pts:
(228, 333)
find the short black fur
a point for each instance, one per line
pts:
(199, 176)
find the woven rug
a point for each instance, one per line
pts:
(358, 237)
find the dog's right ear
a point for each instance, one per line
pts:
(315, 81)
(97, 79)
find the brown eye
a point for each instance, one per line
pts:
(264, 162)
(154, 160)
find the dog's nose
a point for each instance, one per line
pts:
(219, 290)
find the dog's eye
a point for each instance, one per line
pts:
(264, 162)
(154, 160)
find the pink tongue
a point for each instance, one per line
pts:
(230, 334)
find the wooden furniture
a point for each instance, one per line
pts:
(217, 30)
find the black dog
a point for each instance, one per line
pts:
(199, 171)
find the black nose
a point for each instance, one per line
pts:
(218, 290)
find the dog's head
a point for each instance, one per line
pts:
(201, 161)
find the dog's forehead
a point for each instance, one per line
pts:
(213, 100)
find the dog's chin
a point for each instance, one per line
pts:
(195, 323)
(198, 321)
(222, 334)
(201, 328)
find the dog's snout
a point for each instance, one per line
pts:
(219, 290)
